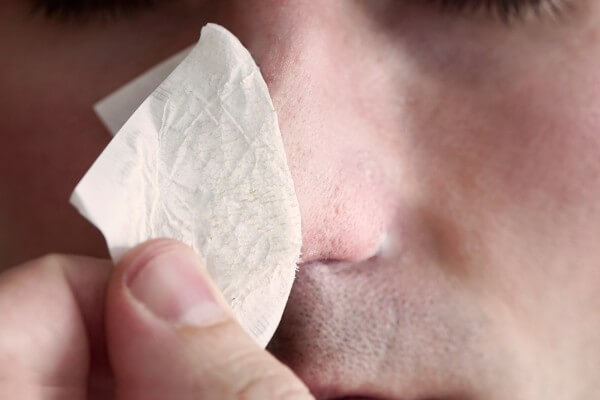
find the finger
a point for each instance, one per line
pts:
(170, 334)
(51, 327)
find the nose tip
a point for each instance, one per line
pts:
(340, 244)
(345, 221)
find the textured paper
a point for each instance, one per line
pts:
(116, 108)
(202, 161)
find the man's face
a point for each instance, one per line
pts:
(447, 167)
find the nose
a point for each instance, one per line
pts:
(333, 150)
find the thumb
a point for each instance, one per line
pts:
(170, 334)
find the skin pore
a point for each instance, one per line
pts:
(447, 167)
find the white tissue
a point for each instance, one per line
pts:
(202, 161)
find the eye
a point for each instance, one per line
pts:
(505, 9)
(75, 9)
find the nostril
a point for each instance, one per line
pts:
(346, 199)
(350, 243)
(351, 226)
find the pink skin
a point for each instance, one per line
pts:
(472, 145)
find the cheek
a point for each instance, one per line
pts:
(530, 139)
(535, 148)
(513, 179)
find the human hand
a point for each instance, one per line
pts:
(154, 327)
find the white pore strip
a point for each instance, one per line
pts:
(202, 161)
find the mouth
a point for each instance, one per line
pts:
(376, 397)
(353, 398)
(361, 397)
(322, 393)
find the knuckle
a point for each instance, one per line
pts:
(218, 340)
(277, 385)
(247, 359)
(58, 261)
(217, 331)
(48, 264)
(254, 374)
(51, 260)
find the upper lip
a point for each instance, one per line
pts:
(295, 350)
(352, 398)
(344, 315)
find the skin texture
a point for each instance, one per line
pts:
(470, 145)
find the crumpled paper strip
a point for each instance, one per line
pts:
(202, 161)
